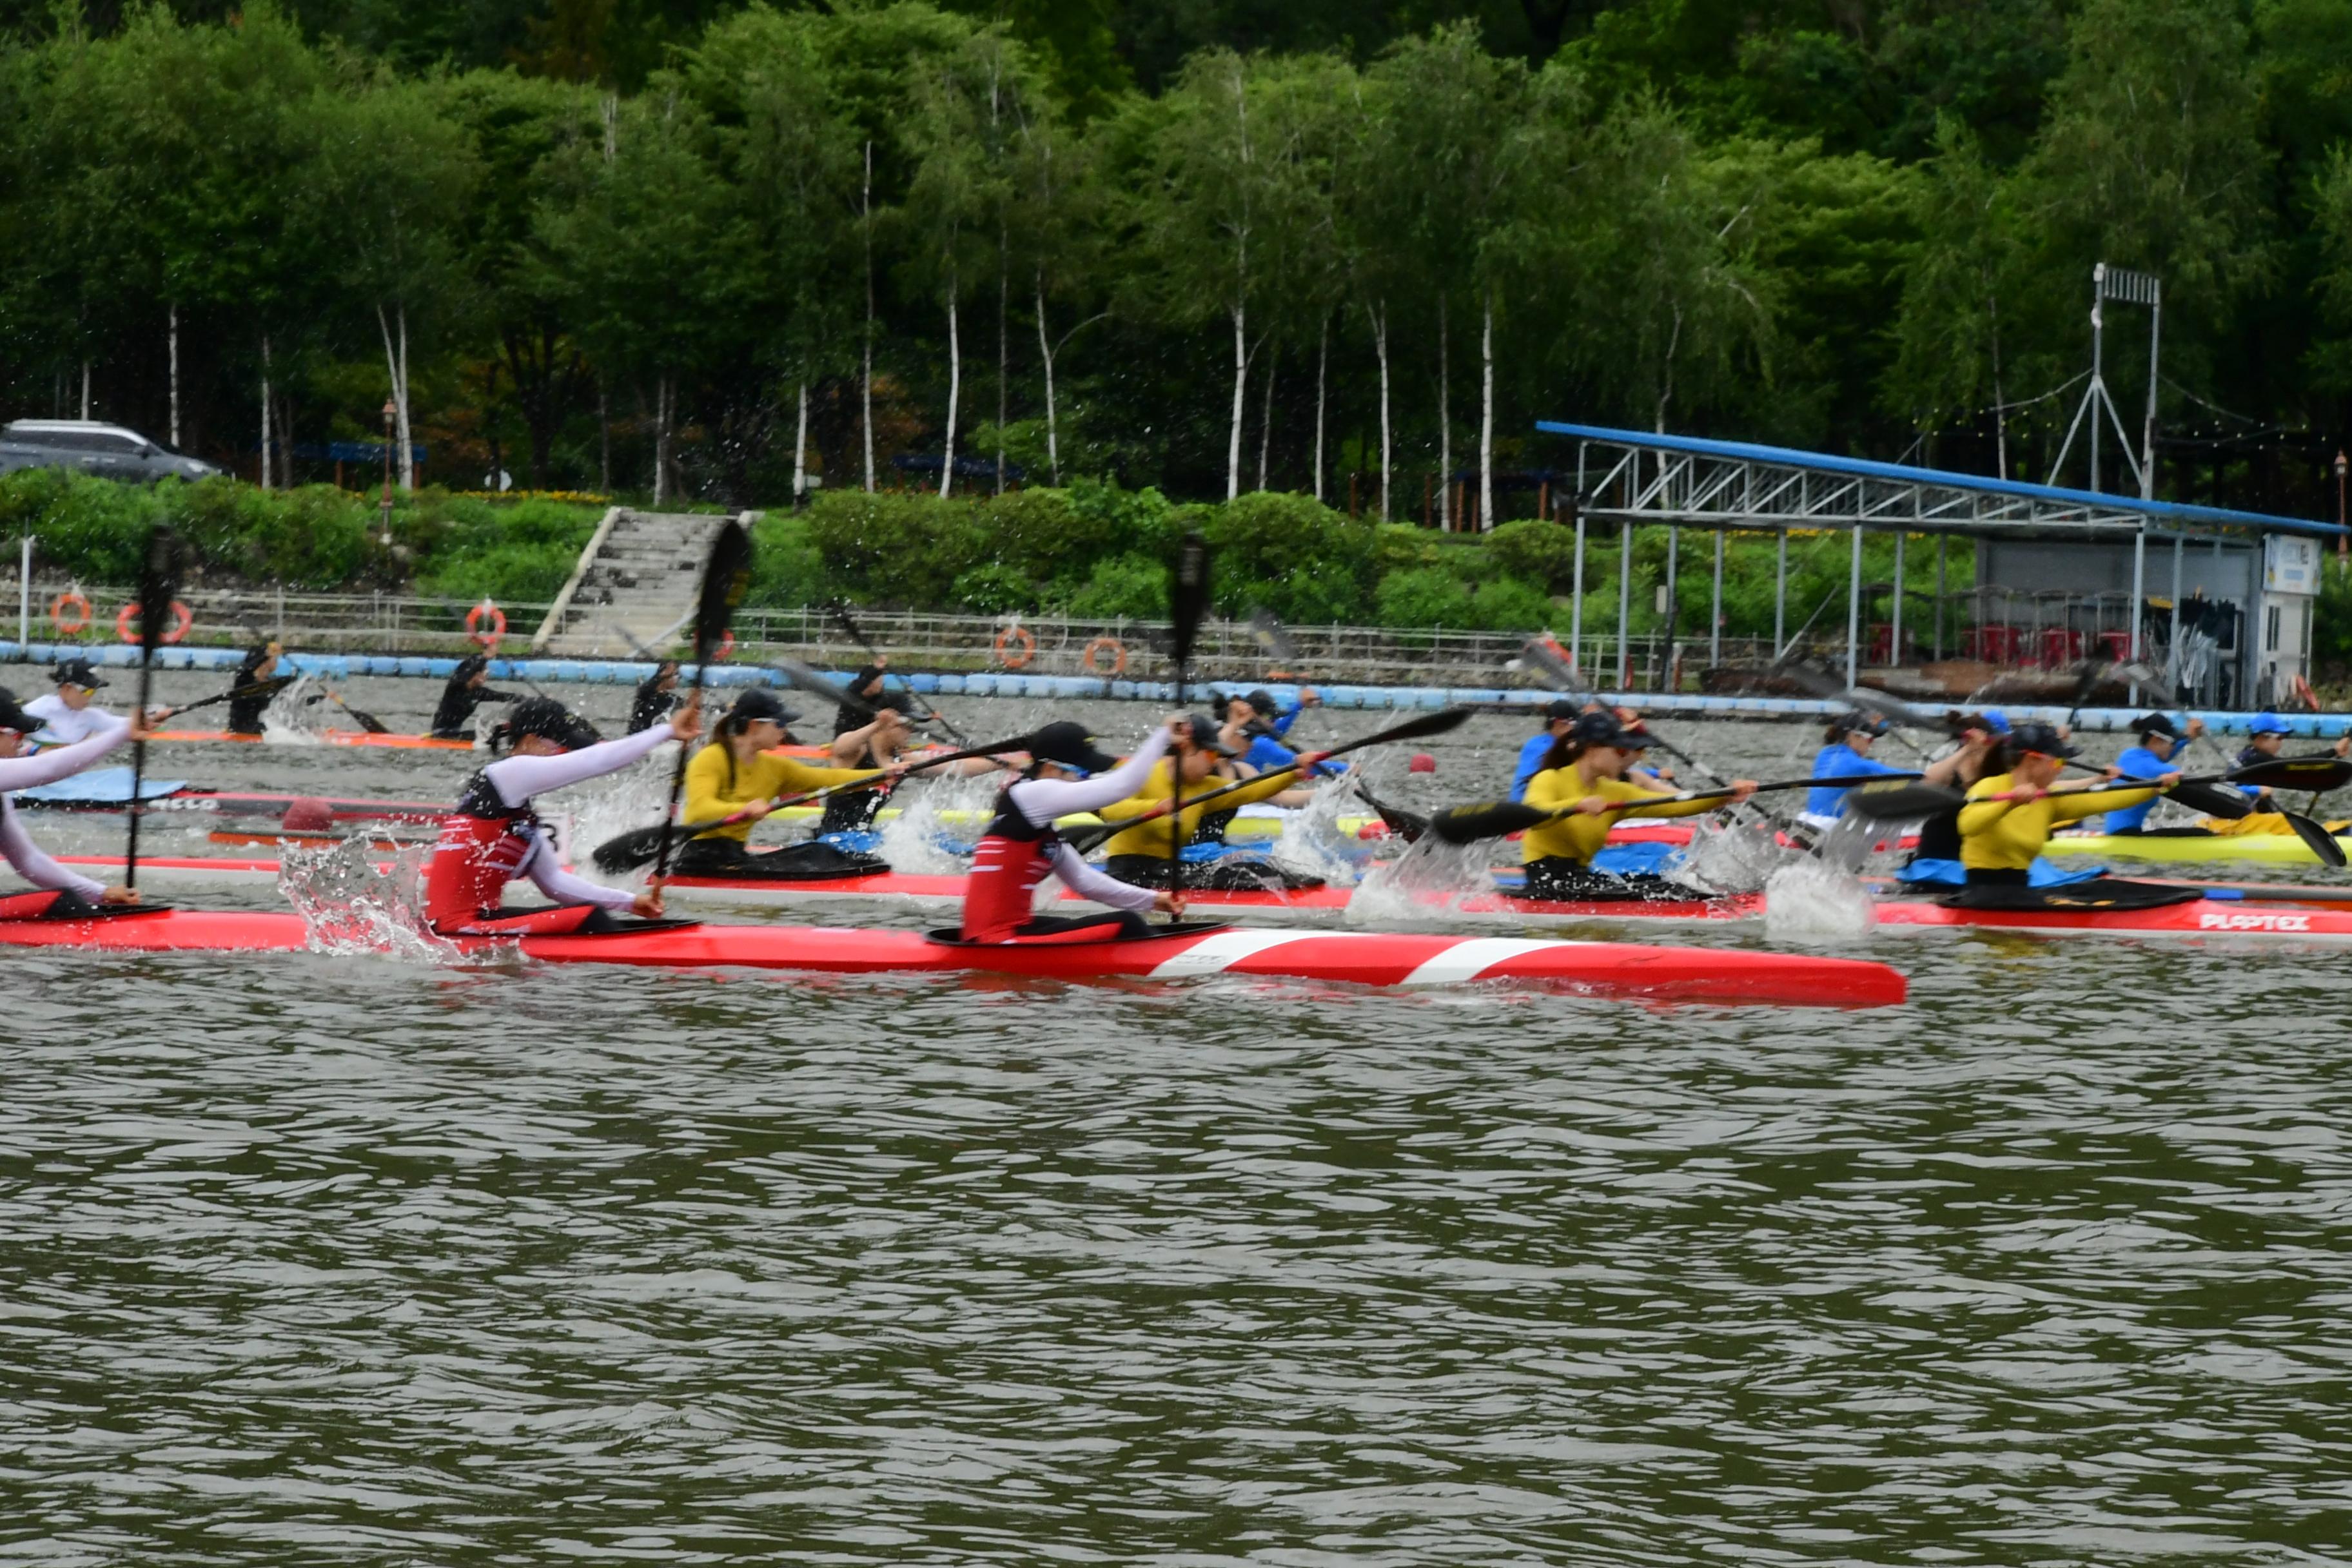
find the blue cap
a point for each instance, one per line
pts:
(1997, 721)
(2268, 724)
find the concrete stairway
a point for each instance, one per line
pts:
(633, 588)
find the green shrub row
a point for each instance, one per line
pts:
(1091, 550)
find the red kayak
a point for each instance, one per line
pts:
(2200, 918)
(1624, 970)
(244, 803)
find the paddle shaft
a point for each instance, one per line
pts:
(853, 786)
(930, 715)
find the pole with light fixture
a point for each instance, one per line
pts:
(2342, 463)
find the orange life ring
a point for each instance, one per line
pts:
(1022, 636)
(726, 644)
(1114, 648)
(79, 602)
(497, 620)
(182, 619)
(2306, 695)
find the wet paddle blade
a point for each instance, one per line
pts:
(159, 585)
(1265, 630)
(1551, 669)
(1408, 826)
(1900, 802)
(818, 687)
(627, 851)
(726, 579)
(2316, 837)
(1187, 599)
(1486, 819)
(2297, 775)
(2213, 800)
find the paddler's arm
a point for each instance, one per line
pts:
(108, 732)
(1641, 803)
(799, 777)
(37, 868)
(2072, 805)
(1043, 800)
(1978, 815)
(549, 877)
(1089, 883)
(517, 779)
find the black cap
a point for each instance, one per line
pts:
(2156, 724)
(1635, 737)
(1597, 729)
(77, 672)
(550, 720)
(1207, 737)
(2042, 740)
(472, 665)
(1562, 708)
(1859, 724)
(1263, 701)
(1069, 744)
(759, 703)
(13, 717)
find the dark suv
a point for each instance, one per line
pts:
(109, 451)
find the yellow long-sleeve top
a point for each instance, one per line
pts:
(1155, 838)
(2005, 834)
(708, 792)
(1579, 836)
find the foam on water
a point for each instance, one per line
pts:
(1808, 901)
(291, 719)
(352, 906)
(1311, 843)
(912, 840)
(585, 816)
(1733, 858)
(1429, 879)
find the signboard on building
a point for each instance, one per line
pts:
(2290, 564)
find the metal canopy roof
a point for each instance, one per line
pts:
(1735, 484)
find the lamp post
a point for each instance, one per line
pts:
(383, 534)
(2342, 463)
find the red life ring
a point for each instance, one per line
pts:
(79, 602)
(726, 644)
(497, 620)
(1115, 649)
(182, 619)
(2305, 694)
(1022, 638)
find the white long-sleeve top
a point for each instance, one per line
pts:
(62, 726)
(517, 780)
(1041, 801)
(30, 773)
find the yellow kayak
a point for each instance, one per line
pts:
(2252, 849)
(1241, 827)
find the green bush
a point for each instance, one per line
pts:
(898, 548)
(1512, 605)
(1133, 587)
(995, 589)
(1424, 596)
(1542, 553)
(787, 569)
(1290, 554)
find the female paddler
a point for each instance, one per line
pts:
(1144, 853)
(495, 838)
(1844, 754)
(2010, 815)
(62, 894)
(1067, 773)
(1583, 777)
(741, 771)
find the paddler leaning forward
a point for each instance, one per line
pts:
(2010, 816)
(741, 771)
(1583, 777)
(1145, 853)
(495, 836)
(1067, 773)
(60, 894)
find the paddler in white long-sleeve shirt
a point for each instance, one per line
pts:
(62, 893)
(1020, 847)
(495, 838)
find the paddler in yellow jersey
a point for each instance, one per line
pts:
(1143, 855)
(740, 771)
(1583, 777)
(2000, 836)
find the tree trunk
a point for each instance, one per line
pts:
(1322, 366)
(1487, 420)
(1667, 369)
(1003, 350)
(396, 365)
(661, 438)
(955, 389)
(176, 376)
(1241, 391)
(1265, 427)
(1381, 344)
(85, 389)
(800, 453)
(1444, 428)
(603, 438)
(865, 381)
(264, 406)
(1045, 353)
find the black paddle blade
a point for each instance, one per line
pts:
(627, 851)
(1486, 819)
(1444, 722)
(2213, 800)
(1900, 802)
(818, 687)
(2321, 842)
(1188, 599)
(159, 586)
(1265, 630)
(726, 579)
(2297, 775)
(1551, 667)
(1408, 826)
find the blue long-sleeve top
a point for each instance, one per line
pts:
(1840, 760)
(2139, 763)
(1531, 758)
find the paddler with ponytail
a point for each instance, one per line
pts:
(741, 771)
(62, 894)
(495, 838)
(2010, 816)
(1144, 853)
(1021, 850)
(1583, 777)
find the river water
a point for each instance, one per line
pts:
(337, 1260)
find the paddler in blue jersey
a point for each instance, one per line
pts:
(1560, 717)
(2160, 739)
(1846, 752)
(2265, 738)
(62, 894)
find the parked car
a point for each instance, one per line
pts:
(109, 451)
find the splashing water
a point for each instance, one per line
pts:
(290, 719)
(1808, 901)
(353, 903)
(583, 817)
(1311, 843)
(1734, 857)
(919, 839)
(1429, 880)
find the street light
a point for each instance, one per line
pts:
(383, 536)
(2342, 463)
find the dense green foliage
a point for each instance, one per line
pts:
(611, 244)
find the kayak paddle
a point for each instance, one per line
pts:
(627, 851)
(726, 577)
(159, 585)
(1498, 819)
(1187, 602)
(927, 713)
(270, 688)
(1086, 839)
